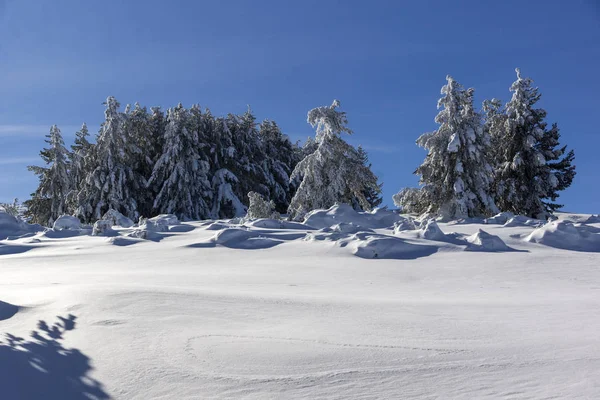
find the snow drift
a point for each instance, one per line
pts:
(566, 235)
(11, 227)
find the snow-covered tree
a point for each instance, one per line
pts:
(112, 183)
(279, 160)
(226, 203)
(372, 195)
(48, 202)
(561, 166)
(456, 175)
(182, 169)
(79, 156)
(528, 163)
(412, 200)
(259, 207)
(334, 172)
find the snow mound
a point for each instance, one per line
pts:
(404, 225)
(103, 228)
(67, 222)
(519, 220)
(243, 239)
(565, 235)
(165, 219)
(347, 228)
(593, 219)
(217, 226)
(380, 218)
(432, 231)
(7, 310)
(499, 219)
(117, 219)
(160, 223)
(267, 223)
(483, 241)
(388, 247)
(11, 227)
(122, 241)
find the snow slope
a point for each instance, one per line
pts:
(263, 310)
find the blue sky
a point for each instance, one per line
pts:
(385, 60)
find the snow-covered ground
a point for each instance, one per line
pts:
(349, 306)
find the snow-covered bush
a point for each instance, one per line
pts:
(117, 219)
(67, 222)
(103, 228)
(259, 207)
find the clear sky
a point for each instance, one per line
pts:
(384, 60)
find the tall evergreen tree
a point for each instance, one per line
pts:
(456, 175)
(372, 195)
(560, 163)
(279, 160)
(182, 169)
(334, 172)
(530, 171)
(226, 201)
(79, 164)
(48, 202)
(112, 183)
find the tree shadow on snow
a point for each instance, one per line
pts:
(42, 368)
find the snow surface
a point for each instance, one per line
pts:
(266, 310)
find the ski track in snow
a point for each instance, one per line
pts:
(267, 313)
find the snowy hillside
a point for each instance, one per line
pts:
(345, 306)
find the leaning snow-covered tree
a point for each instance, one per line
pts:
(456, 174)
(334, 172)
(48, 202)
(530, 170)
(112, 183)
(183, 171)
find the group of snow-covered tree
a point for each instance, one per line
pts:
(504, 158)
(195, 165)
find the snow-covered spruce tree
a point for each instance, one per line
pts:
(112, 183)
(249, 156)
(561, 165)
(279, 160)
(183, 171)
(141, 132)
(334, 172)
(226, 203)
(528, 163)
(456, 174)
(412, 200)
(259, 207)
(372, 195)
(48, 202)
(80, 160)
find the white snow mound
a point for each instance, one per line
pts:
(103, 228)
(483, 241)
(11, 227)
(67, 222)
(117, 219)
(432, 231)
(519, 220)
(500, 218)
(566, 235)
(379, 218)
